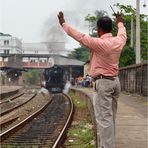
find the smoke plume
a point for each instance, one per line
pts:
(75, 13)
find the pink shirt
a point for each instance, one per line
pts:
(105, 51)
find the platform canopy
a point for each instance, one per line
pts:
(64, 61)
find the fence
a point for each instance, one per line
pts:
(134, 79)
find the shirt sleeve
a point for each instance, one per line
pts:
(91, 42)
(122, 33)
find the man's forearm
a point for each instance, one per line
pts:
(122, 31)
(73, 32)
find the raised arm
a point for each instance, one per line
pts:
(121, 29)
(84, 39)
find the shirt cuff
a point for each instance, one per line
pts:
(63, 24)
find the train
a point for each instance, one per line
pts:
(54, 79)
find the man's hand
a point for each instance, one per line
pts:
(61, 18)
(119, 17)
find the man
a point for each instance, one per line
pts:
(105, 53)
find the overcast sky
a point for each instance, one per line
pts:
(36, 20)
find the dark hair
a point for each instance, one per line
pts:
(105, 23)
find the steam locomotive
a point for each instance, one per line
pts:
(54, 79)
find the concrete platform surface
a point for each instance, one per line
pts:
(132, 119)
(6, 89)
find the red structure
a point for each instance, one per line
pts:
(36, 65)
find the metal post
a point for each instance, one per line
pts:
(132, 30)
(138, 55)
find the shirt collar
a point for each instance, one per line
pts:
(106, 35)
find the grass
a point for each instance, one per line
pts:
(81, 133)
(79, 103)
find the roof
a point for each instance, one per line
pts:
(2, 34)
(34, 46)
(49, 46)
(61, 60)
(58, 59)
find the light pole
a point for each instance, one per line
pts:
(132, 30)
(138, 55)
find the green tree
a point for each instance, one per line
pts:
(127, 57)
(129, 13)
(82, 53)
(31, 77)
(128, 52)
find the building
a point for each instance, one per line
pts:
(72, 67)
(10, 44)
(35, 48)
(16, 57)
(38, 55)
(44, 48)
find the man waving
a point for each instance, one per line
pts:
(105, 53)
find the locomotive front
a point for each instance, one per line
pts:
(54, 79)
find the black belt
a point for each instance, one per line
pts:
(104, 77)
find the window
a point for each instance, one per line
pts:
(6, 51)
(6, 42)
(1, 59)
(5, 59)
(32, 61)
(43, 60)
(25, 59)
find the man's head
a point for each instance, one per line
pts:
(104, 25)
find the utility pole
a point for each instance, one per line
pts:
(138, 55)
(132, 30)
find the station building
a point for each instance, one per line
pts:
(16, 57)
(10, 44)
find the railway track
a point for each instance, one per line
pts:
(11, 98)
(44, 128)
(15, 102)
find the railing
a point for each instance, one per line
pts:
(134, 79)
(36, 65)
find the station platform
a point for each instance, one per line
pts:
(8, 90)
(131, 123)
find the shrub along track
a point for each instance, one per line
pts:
(44, 128)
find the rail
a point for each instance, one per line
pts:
(45, 128)
(15, 103)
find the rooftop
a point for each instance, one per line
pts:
(2, 34)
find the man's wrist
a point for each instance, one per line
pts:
(120, 24)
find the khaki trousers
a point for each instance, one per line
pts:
(106, 93)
